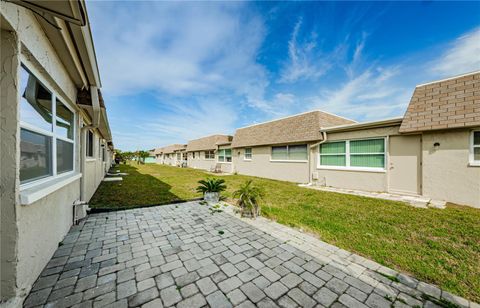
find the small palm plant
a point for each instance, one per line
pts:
(248, 196)
(211, 189)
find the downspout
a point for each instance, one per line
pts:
(313, 146)
(95, 124)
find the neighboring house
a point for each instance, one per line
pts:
(280, 149)
(173, 155)
(433, 151)
(56, 140)
(151, 159)
(202, 152)
(158, 152)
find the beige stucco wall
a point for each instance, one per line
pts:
(349, 179)
(261, 166)
(9, 174)
(446, 171)
(41, 226)
(199, 162)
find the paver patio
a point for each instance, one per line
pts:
(186, 256)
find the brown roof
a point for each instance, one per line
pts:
(158, 151)
(207, 143)
(297, 128)
(173, 147)
(450, 103)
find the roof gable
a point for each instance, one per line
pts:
(451, 103)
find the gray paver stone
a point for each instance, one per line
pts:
(252, 292)
(236, 296)
(156, 303)
(377, 301)
(142, 297)
(164, 280)
(336, 285)
(291, 280)
(276, 290)
(349, 301)
(206, 286)
(170, 296)
(301, 298)
(325, 297)
(218, 300)
(195, 301)
(125, 289)
(37, 298)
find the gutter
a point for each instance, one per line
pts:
(324, 139)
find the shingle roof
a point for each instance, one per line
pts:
(172, 148)
(450, 103)
(297, 128)
(158, 151)
(207, 143)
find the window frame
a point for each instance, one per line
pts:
(54, 175)
(210, 154)
(288, 154)
(472, 161)
(348, 154)
(224, 161)
(87, 147)
(245, 154)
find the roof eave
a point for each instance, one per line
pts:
(365, 125)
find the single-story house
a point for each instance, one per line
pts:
(202, 152)
(173, 155)
(280, 149)
(433, 150)
(151, 159)
(56, 140)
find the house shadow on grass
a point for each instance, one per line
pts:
(136, 190)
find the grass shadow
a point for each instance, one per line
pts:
(136, 190)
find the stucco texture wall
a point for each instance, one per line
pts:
(41, 226)
(261, 166)
(200, 162)
(446, 171)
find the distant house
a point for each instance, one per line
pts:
(280, 149)
(56, 140)
(203, 153)
(151, 159)
(173, 155)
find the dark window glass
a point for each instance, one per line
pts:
(35, 102)
(35, 155)
(64, 156)
(64, 121)
(89, 144)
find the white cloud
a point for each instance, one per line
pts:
(178, 49)
(462, 56)
(305, 61)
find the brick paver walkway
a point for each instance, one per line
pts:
(185, 256)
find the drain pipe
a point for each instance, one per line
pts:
(324, 139)
(95, 124)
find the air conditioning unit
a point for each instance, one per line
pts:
(79, 210)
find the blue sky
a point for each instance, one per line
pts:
(174, 71)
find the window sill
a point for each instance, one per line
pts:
(224, 162)
(247, 159)
(31, 194)
(375, 170)
(287, 161)
(89, 159)
(474, 164)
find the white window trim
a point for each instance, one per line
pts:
(54, 176)
(347, 157)
(224, 157)
(209, 151)
(472, 162)
(245, 154)
(289, 160)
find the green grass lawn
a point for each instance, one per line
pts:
(436, 246)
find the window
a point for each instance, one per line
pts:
(290, 152)
(89, 147)
(225, 155)
(193, 154)
(353, 154)
(475, 148)
(209, 154)
(46, 131)
(248, 154)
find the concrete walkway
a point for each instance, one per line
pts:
(186, 256)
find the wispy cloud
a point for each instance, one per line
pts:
(305, 61)
(462, 56)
